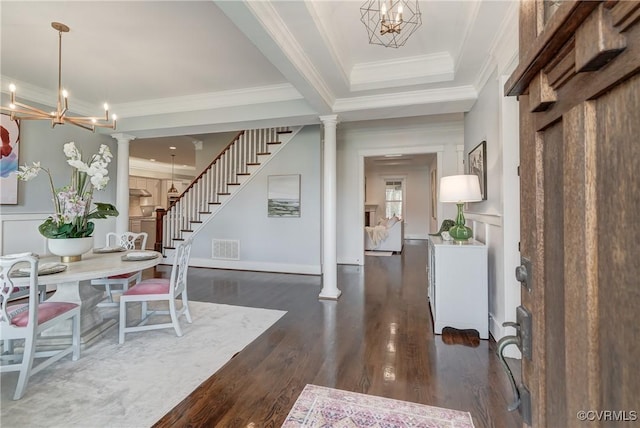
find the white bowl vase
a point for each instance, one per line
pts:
(70, 249)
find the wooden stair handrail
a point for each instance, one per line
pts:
(206, 169)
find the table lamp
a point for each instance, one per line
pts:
(460, 189)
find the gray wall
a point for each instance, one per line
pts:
(272, 244)
(417, 201)
(211, 147)
(39, 142)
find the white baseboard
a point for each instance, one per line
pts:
(423, 236)
(255, 266)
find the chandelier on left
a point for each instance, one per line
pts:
(59, 117)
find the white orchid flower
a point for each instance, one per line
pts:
(105, 152)
(99, 181)
(26, 172)
(71, 151)
(78, 164)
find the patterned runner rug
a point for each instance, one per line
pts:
(318, 406)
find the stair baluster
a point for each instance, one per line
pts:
(210, 189)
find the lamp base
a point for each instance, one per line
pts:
(460, 232)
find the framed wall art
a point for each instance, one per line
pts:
(10, 135)
(283, 195)
(478, 166)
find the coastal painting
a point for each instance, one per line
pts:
(284, 195)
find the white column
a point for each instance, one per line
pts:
(329, 229)
(122, 186)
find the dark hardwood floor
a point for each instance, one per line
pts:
(376, 339)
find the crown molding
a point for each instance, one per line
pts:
(205, 101)
(208, 101)
(271, 22)
(473, 15)
(415, 70)
(430, 96)
(160, 167)
(329, 41)
(503, 51)
(48, 99)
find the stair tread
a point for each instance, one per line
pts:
(263, 153)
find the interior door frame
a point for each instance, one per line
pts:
(438, 150)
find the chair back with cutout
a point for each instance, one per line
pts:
(9, 265)
(180, 267)
(128, 240)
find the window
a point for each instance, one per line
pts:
(394, 197)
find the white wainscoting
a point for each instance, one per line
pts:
(19, 233)
(503, 294)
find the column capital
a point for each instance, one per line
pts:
(123, 138)
(329, 119)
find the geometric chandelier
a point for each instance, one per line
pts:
(59, 117)
(390, 22)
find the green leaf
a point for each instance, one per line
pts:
(48, 229)
(103, 211)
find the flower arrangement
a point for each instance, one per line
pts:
(72, 203)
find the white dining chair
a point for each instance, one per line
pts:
(157, 290)
(129, 241)
(25, 321)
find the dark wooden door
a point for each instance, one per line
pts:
(578, 83)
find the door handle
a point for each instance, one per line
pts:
(522, 339)
(502, 344)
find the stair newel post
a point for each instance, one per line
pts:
(158, 244)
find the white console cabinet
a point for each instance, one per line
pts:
(458, 294)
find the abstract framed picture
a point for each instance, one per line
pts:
(283, 195)
(10, 135)
(478, 166)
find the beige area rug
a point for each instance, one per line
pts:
(134, 384)
(378, 253)
(318, 406)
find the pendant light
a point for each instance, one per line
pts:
(22, 111)
(172, 190)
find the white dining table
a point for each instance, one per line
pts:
(73, 285)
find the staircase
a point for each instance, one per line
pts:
(233, 168)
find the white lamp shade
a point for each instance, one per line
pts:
(460, 188)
